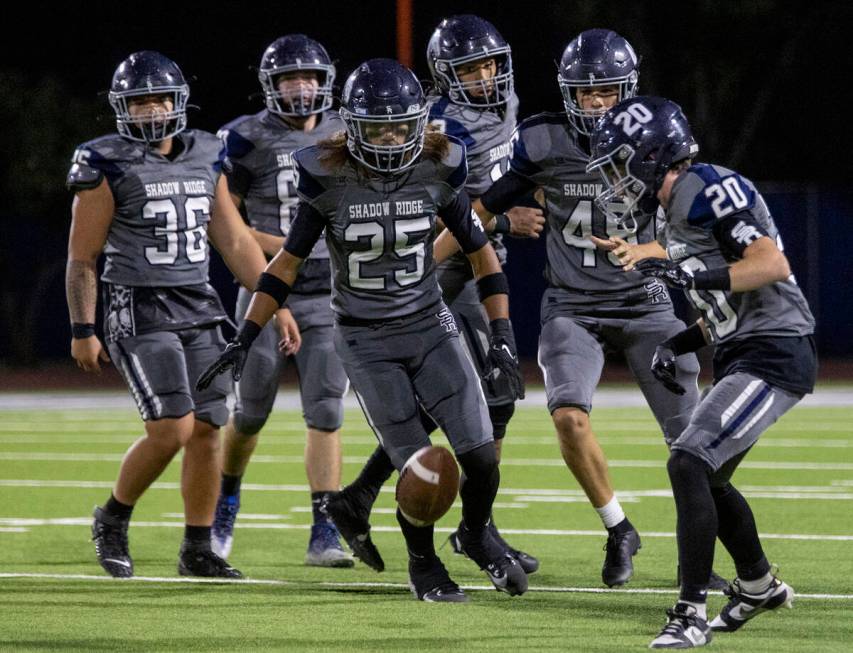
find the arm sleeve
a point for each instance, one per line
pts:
(305, 230)
(505, 192)
(464, 223)
(737, 232)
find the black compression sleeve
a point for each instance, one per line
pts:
(463, 223)
(505, 192)
(305, 230)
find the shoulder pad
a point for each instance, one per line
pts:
(309, 173)
(96, 159)
(532, 142)
(439, 120)
(708, 193)
(236, 144)
(207, 145)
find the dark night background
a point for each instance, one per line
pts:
(766, 85)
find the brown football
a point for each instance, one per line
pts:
(428, 485)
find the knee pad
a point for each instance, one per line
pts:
(683, 465)
(500, 416)
(324, 414)
(479, 463)
(248, 424)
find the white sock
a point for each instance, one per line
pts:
(611, 513)
(757, 586)
(701, 609)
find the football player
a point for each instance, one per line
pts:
(149, 198)
(590, 305)
(474, 101)
(376, 191)
(724, 251)
(296, 76)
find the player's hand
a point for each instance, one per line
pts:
(233, 357)
(291, 339)
(525, 221)
(670, 272)
(502, 358)
(627, 253)
(663, 367)
(89, 353)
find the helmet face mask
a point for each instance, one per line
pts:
(295, 56)
(385, 113)
(596, 58)
(459, 41)
(623, 191)
(386, 144)
(144, 75)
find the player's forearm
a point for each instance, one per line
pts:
(492, 285)
(269, 243)
(651, 249)
(268, 297)
(245, 259)
(81, 290)
(497, 306)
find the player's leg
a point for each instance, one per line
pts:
(255, 395)
(638, 340)
(153, 368)
(201, 461)
(571, 359)
(375, 360)
(473, 325)
(322, 385)
(724, 426)
(449, 390)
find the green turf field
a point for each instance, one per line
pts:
(56, 465)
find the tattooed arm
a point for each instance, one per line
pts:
(91, 215)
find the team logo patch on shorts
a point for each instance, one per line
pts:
(445, 318)
(119, 323)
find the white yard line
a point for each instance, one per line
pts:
(514, 462)
(549, 532)
(365, 585)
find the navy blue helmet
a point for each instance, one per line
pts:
(149, 73)
(461, 40)
(291, 55)
(633, 147)
(385, 112)
(596, 57)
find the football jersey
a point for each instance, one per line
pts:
(380, 232)
(259, 168)
(702, 197)
(548, 153)
(158, 236)
(487, 136)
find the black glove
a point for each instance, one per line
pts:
(670, 272)
(233, 356)
(503, 358)
(663, 367)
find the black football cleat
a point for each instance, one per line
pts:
(202, 562)
(430, 582)
(351, 520)
(109, 534)
(620, 548)
(502, 569)
(528, 563)
(743, 606)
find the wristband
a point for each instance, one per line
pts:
(687, 341)
(82, 330)
(714, 279)
(502, 224)
(273, 286)
(492, 284)
(248, 332)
